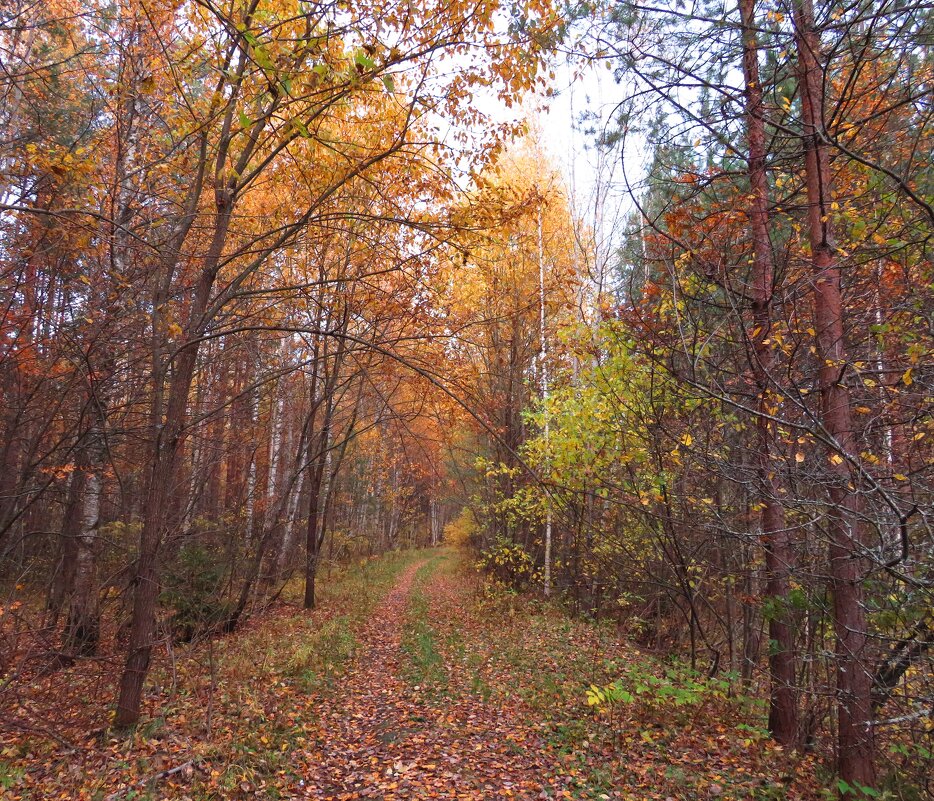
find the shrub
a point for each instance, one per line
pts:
(462, 531)
(509, 563)
(193, 589)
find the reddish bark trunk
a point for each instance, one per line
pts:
(167, 448)
(854, 677)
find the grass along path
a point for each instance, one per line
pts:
(674, 738)
(226, 717)
(414, 680)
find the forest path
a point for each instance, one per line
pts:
(415, 678)
(402, 725)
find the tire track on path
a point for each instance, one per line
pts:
(380, 738)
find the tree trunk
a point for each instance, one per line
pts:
(82, 627)
(287, 545)
(312, 540)
(168, 444)
(64, 580)
(249, 500)
(146, 592)
(779, 555)
(312, 536)
(854, 677)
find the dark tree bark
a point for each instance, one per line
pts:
(901, 656)
(168, 445)
(779, 555)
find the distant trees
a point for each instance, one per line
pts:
(742, 443)
(215, 228)
(514, 277)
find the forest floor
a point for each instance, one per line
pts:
(414, 679)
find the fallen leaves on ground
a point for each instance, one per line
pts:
(413, 683)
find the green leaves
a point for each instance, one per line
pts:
(610, 694)
(675, 687)
(509, 562)
(261, 57)
(258, 52)
(362, 60)
(857, 790)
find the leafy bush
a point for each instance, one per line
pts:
(509, 563)
(193, 589)
(462, 531)
(676, 687)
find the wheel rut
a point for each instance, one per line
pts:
(380, 737)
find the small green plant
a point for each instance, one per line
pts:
(420, 640)
(675, 687)
(10, 775)
(856, 790)
(193, 589)
(753, 734)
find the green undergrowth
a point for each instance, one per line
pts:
(321, 656)
(423, 665)
(283, 665)
(619, 722)
(309, 648)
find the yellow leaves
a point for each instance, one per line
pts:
(684, 259)
(906, 377)
(900, 477)
(595, 696)
(835, 458)
(686, 440)
(174, 330)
